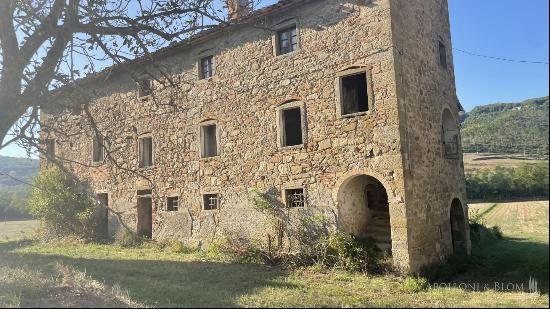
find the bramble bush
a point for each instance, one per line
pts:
(63, 208)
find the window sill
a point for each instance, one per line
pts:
(146, 168)
(145, 97)
(366, 113)
(290, 54)
(294, 147)
(210, 158)
(98, 163)
(206, 80)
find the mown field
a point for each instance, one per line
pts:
(71, 274)
(489, 161)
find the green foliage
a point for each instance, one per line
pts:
(344, 251)
(14, 203)
(507, 128)
(413, 285)
(480, 233)
(176, 246)
(63, 209)
(127, 239)
(527, 180)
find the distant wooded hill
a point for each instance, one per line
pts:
(23, 169)
(507, 128)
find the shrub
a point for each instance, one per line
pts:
(63, 208)
(127, 239)
(175, 246)
(414, 284)
(344, 251)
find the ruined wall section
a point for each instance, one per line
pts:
(425, 89)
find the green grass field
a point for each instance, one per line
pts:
(71, 274)
(13, 230)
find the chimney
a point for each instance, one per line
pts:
(238, 8)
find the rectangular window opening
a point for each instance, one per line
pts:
(287, 40)
(145, 87)
(442, 55)
(145, 152)
(292, 127)
(172, 203)
(210, 201)
(50, 147)
(207, 67)
(295, 198)
(98, 149)
(354, 94)
(209, 141)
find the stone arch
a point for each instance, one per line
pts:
(363, 210)
(449, 135)
(458, 227)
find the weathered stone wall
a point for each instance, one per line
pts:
(424, 90)
(249, 85)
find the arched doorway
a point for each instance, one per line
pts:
(364, 210)
(458, 227)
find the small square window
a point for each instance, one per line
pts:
(442, 55)
(295, 198)
(145, 87)
(287, 40)
(207, 67)
(354, 96)
(211, 201)
(172, 203)
(145, 152)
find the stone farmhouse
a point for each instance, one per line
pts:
(340, 108)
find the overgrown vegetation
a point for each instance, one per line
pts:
(527, 180)
(507, 128)
(303, 239)
(62, 207)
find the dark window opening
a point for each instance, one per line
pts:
(209, 141)
(145, 87)
(145, 152)
(295, 198)
(103, 214)
(292, 127)
(172, 203)
(354, 94)
(287, 40)
(442, 55)
(50, 147)
(210, 201)
(207, 67)
(98, 149)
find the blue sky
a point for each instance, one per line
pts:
(500, 28)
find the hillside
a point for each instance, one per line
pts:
(507, 128)
(23, 169)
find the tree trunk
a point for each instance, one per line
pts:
(10, 112)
